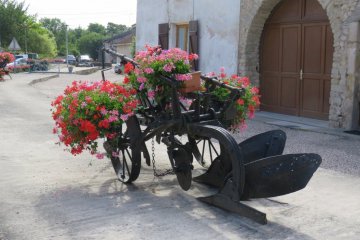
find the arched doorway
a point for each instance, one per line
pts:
(296, 59)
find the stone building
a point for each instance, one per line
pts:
(303, 54)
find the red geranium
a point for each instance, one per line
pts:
(89, 111)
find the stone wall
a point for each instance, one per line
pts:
(344, 96)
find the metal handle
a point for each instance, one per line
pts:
(301, 74)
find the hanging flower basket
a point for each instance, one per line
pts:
(155, 62)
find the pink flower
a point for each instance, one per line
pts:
(142, 86)
(141, 79)
(83, 104)
(148, 70)
(168, 67)
(100, 155)
(211, 74)
(151, 94)
(183, 77)
(124, 117)
(113, 118)
(103, 111)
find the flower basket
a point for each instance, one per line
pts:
(155, 62)
(193, 84)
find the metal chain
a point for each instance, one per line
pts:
(156, 174)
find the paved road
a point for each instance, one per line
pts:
(48, 194)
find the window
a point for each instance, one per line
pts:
(182, 36)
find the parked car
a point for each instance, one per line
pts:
(84, 61)
(71, 59)
(118, 68)
(17, 63)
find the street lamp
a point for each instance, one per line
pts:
(67, 49)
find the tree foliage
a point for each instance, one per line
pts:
(47, 36)
(89, 43)
(114, 29)
(32, 36)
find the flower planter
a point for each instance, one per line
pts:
(193, 84)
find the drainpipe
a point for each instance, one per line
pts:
(354, 74)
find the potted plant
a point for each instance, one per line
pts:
(5, 58)
(152, 63)
(89, 111)
(244, 107)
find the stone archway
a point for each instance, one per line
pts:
(296, 60)
(253, 15)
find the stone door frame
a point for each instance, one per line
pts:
(344, 17)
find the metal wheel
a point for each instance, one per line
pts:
(124, 154)
(228, 167)
(205, 150)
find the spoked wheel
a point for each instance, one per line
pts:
(205, 150)
(124, 154)
(226, 162)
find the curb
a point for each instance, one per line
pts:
(43, 79)
(307, 127)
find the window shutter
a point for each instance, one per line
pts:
(194, 41)
(164, 35)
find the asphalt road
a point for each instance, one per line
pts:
(45, 193)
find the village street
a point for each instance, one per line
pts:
(46, 193)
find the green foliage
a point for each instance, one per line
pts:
(47, 37)
(113, 29)
(47, 48)
(97, 28)
(58, 29)
(12, 19)
(89, 43)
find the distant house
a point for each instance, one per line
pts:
(303, 54)
(120, 43)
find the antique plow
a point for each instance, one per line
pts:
(254, 168)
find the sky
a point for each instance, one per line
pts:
(77, 13)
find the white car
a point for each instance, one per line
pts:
(17, 63)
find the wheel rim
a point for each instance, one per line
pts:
(123, 163)
(125, 158)
(205, 150)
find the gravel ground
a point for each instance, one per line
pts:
(49, 194)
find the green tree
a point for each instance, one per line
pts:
(90, 43)
(12, 18)
(97, 28)
(47, 48)
(58, 29)
(114, 29)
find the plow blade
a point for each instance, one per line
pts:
(263, 145)
(224, 202)
(279, 175)
(270, 143)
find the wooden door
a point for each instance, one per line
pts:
(296, 58)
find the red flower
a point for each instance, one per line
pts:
(128, 68)
(240, 101)
(126, 80)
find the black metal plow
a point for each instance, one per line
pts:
(255, 168)
(264, 172)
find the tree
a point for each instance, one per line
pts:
(58, 29)
(15, 22)
(90, 43)
(47, 48)
(114, 29)
(97, 28)
(12, 19)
